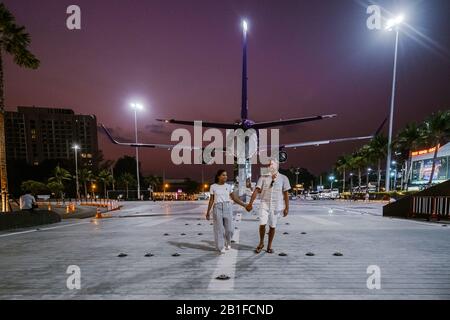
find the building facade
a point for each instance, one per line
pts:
(422, 162)
(35, 134)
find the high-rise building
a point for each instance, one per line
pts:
(35, 134)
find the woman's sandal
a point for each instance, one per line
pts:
(270, 250)
(259, 249)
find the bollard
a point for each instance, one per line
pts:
(98, 215)
(67, 209)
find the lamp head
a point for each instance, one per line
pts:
(391, 23)
(245, 26)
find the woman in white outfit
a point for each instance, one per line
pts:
(221, 202)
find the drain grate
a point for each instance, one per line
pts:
(337, 254)
(122, 255)
(149, 254)
(183, 234)
(200, 234)
(223, 277)
(303, 232)
(310, 254)
(176, 255)
(285, 232)
(166, 234)
(282, 254)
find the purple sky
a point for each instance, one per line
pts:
(182, 59)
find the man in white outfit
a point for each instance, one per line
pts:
(27, 201)
(273, 188)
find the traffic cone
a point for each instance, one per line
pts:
(98, 215)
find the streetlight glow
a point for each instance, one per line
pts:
(394, 22)
(137, 106)
(245, 25)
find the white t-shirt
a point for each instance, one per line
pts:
(26, 201)
(221, 192)
(272, 197)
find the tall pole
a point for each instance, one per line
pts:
(137, 156)
(391, 115)
(76, 172)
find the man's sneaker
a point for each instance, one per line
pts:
(227, 247)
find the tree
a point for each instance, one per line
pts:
(60, 175)
(377, 150)
(341, 165)
(56, 188)
(85, 175)
(127, 179)
(14, 41)
(153, 181)
(35, 187)
(436, 131)
(105, 177)
(407, 140)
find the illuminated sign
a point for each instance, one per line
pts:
(425, 151)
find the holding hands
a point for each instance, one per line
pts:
(249, 207)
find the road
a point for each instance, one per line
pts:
(413, 257)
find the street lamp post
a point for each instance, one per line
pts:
(297, 172)
(393, 23)
(351, 182)
(367, 178)
(75, 148)
(137, 107)
(331, 178)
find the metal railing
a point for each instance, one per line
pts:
(434, 206)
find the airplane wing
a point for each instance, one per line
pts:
(151, 145)
(312, 143)
(133, 144)
(279, 123)
(204, 124)
(321, 142)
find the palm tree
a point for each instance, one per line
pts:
(341, 165)
(377, 152)
(14, 41)
(407, 140)
(127, 179)
(436, 131)
(106, 178)
(358, 161)
(153, 181)
(60, 175)
(85, 175)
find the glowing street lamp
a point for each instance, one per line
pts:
(76, 148)
(164, 189)
(136, 107)
(332, 179)
(392, 23)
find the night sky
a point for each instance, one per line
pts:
(182, 60)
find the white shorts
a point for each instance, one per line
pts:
(268, 217)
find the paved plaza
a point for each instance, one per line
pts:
(413, 256)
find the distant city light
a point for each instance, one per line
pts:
(76, 147)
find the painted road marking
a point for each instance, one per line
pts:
(226, 264)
